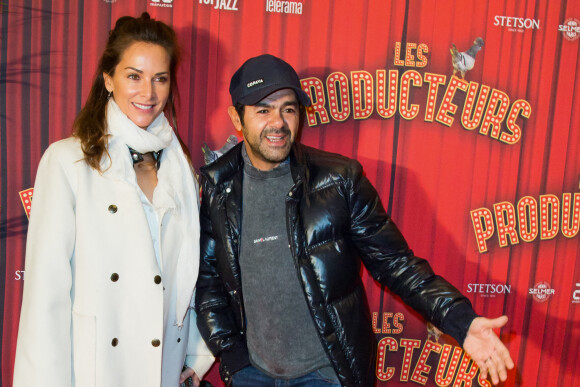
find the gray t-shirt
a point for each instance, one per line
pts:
(282, 339)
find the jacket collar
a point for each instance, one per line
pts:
(225, 167)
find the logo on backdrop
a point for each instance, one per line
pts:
(397, 355)
(26, 198)
(527, 220)
(161, 3)
(486, 110)
(570, 29)
(516, 24)
(279, 6)
(226, 5)
(576, 295)
(489, 290)
(542, 291)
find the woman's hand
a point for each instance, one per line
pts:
(187, 373)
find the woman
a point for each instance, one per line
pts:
(112, 251)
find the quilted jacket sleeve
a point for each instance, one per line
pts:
(389, 259)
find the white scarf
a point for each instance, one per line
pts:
(175, 175)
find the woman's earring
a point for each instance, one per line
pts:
(109, 95)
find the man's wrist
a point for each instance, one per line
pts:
(457, 322)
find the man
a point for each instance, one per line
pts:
(284, 229)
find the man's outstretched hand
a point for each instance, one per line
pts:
(487, 350)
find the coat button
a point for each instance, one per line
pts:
(112, 208)
(155, 342)
(114, 342)
(179, 340)
(157, 279)
(228, 190)
(114, 277)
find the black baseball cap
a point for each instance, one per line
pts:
(262, 75)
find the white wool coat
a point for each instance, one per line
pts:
(97, 309)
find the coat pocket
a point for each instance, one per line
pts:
(84, 350)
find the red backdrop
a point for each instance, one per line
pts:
(482, 175)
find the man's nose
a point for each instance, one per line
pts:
(277, 120)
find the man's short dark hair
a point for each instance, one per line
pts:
(240, 109)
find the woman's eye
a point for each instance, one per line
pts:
(161, 79)
(133, 76)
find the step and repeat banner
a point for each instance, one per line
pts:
(464, 114)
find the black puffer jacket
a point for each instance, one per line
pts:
(335, 220)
